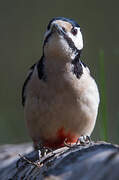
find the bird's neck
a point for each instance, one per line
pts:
(61, 63)
(57, 65)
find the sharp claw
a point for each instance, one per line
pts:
(43, 151)
(88, 138)
(83, 140)
(44, 154)
(67, 144)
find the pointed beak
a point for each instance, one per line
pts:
(57, 28)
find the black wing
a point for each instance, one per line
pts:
(41, 69)
(41, 75)
(25, 83)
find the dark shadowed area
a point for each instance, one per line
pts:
(22, 26)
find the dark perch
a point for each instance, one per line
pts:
(91, 162)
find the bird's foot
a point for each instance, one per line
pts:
(43, 151)
(44, 154)
(83, 140)
(67, 144)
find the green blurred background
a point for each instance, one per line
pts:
(22, 25)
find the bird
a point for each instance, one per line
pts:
(59, 96)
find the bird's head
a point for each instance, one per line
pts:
(63, 38)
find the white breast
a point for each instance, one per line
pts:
(62, 101)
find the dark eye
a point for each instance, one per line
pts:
(74, 31)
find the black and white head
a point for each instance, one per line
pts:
(63, 38)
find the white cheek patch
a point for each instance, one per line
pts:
(77, 39)
(57, 44)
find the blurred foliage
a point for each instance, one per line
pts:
(103, 103)
(22, 25)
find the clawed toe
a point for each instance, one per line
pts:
(83, 140)
(67, 144)
(43, 151)
(44, 154)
